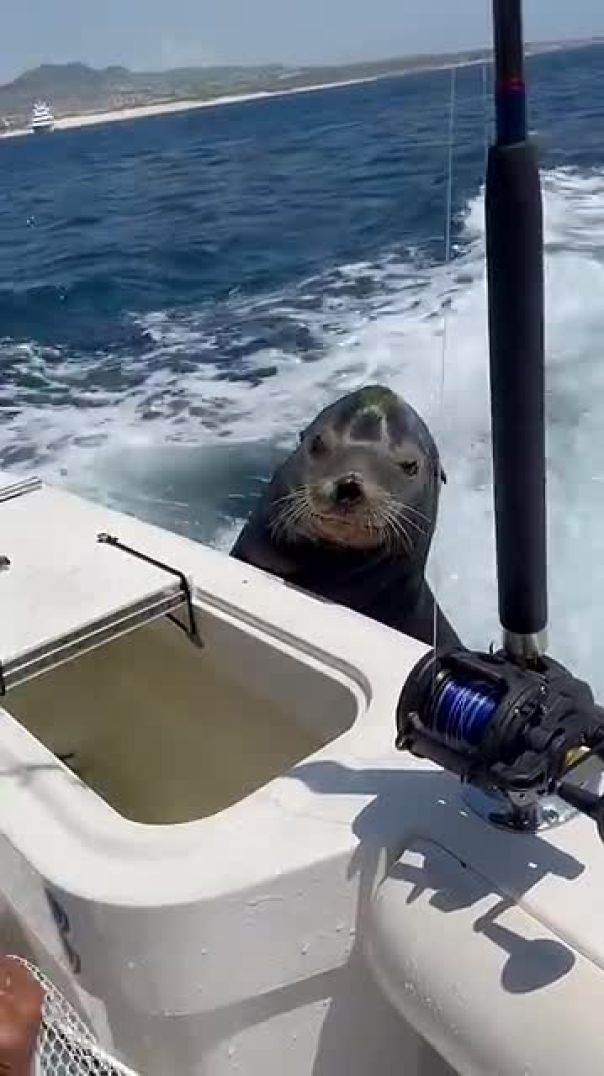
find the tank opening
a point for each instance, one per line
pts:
(166, 732)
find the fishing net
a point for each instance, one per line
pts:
(66, 1046)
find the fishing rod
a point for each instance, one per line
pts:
(513, 723)
(514, 231)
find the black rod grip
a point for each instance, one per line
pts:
(508, 40)
(514, 231)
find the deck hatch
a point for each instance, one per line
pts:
(63, 592)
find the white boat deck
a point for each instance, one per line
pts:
(222, 937)
(64, 591)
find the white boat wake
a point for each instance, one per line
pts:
(189, 443)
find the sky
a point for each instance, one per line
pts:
(169, 33)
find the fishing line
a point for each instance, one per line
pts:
(447, 259)
(461, 712)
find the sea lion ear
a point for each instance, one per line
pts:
(443, 475)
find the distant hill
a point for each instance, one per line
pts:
(75, 88)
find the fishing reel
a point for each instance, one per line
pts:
(513, 731)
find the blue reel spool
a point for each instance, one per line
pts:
(461, 712)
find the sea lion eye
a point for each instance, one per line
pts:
(410, 467)
(317, 446)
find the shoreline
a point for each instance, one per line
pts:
(166, 108)
(93, 119)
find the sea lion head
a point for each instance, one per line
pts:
(365, 476)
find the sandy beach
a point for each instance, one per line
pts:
(91, 119)
(140, 111)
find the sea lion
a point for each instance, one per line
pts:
(350, 514)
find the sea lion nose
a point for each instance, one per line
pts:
(348, 491)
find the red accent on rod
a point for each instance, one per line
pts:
(511, 85)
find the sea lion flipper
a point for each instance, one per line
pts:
(262, 554)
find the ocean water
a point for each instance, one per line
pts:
(179, 295)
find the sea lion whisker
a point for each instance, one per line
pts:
(291, 497)
(292, 509)
(415, 512)
(390, 537)
(409, 540)
(375, 524)
(280, 523)
(402, 530)
(277, 526)
(307, 515)
(416, 526)
(388, 523)
(397, 539)
(396, 530)
(407, 508)
(292, 518)
(402, 511)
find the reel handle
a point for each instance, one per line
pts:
(588, 803)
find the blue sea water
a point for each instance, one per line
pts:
(179, 295)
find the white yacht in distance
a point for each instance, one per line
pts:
(42, 118)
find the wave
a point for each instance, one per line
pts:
(184, 426)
